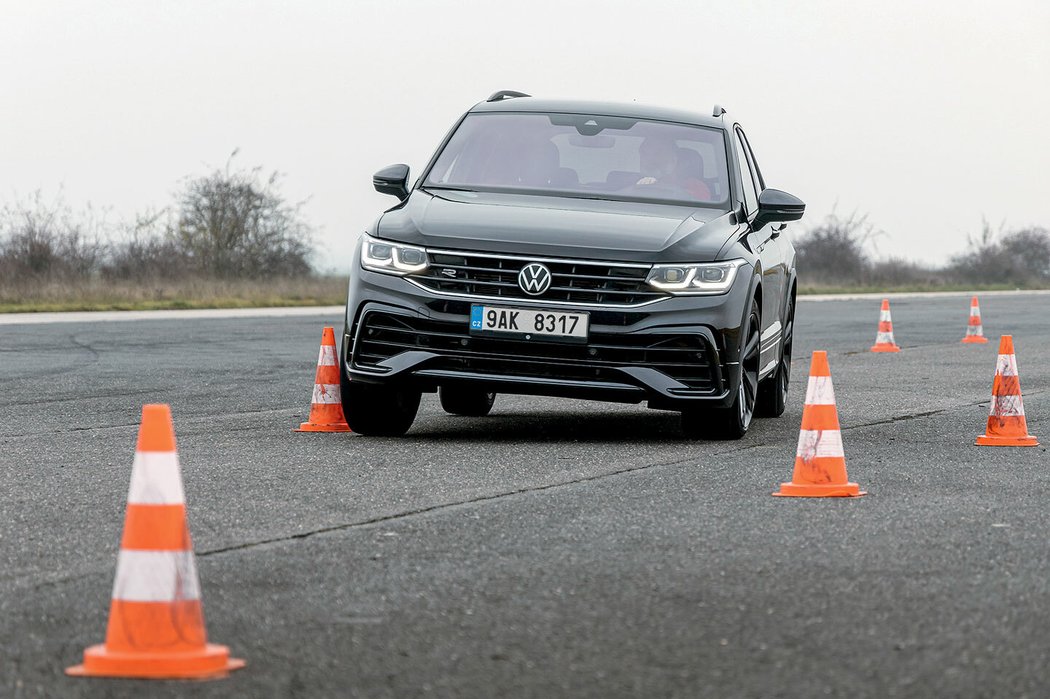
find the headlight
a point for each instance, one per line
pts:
(392, 258)
(707, 278)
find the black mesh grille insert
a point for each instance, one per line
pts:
(605, 283)
(684, 357)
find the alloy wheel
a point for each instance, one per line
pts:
(749, 371)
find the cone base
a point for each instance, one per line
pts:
(813, 490)
(974, 340)
(313, 427)
(994, 441)
(211, 662)
(885, 348)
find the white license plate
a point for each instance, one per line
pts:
(528, 324)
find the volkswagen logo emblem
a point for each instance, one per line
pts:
(534, 279)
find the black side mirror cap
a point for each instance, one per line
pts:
(774, 205)
(393, 179)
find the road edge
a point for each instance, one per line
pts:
(292, 311)
(178, 314)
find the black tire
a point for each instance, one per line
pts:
(772, 392)
(376, 410)
(732, 421)
(469, 402)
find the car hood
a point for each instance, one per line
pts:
(545, 226)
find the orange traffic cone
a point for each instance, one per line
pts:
(884, 339)
(156, 626)
(974, 331)
(1007, 426)
(820, 465)
(326, 408)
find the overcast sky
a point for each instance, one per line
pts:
(927, 116)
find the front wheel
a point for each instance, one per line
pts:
(378, 411)
(732, 421)
(772, 393)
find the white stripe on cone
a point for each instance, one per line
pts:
(814, 443)
(1006, 365)
(326, 393)
(884, 315)
(975, 311)
(156, 576)
(155, 479)
(326, 357)
(974, 330)
(884, 338)
(1006, 406)
(820, 391)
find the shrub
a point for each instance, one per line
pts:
(233, 224)
(230, 224)
(1020, 257)
(833, 252)
(42, 241)
(146, 250)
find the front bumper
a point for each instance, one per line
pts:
(671, 353)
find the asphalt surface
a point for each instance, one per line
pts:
(556, 548)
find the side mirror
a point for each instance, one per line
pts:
(393, 179)
(774, 205)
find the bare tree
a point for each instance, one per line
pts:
(234, 223)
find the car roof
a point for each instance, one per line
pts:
(627, 109)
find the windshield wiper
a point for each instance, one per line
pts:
(533, 192)
(448, 188)
(593, 197)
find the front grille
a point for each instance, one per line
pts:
(684, 357)
(573, 281)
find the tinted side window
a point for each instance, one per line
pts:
(750, 193)
(760, 182)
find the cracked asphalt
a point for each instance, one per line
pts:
(556, 548)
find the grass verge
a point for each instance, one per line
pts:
(910, 288)
(98, 295)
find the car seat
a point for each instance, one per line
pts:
(621, 179)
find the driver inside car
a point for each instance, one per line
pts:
(660, 166)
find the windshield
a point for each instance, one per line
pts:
(580, 155)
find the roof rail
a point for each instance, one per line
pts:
(504, 94)
(718, 111)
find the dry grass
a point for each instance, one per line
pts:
(804, 289)
(100, 295)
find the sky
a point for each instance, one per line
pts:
(928, 117)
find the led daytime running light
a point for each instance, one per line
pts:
(389, 258)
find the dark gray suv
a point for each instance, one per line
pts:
(611, 252)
